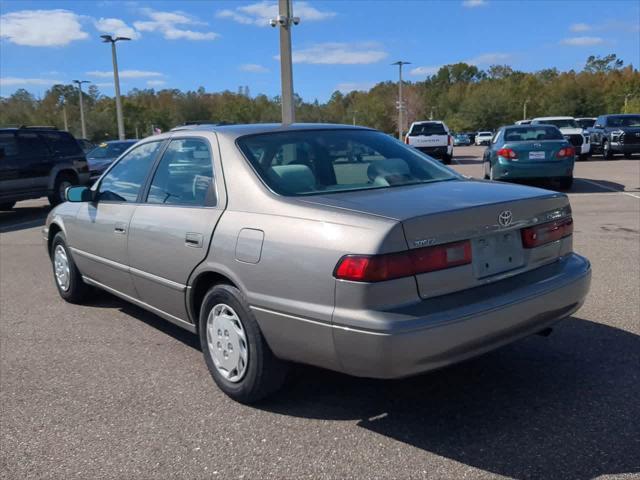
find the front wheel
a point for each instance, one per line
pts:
(68, 279)
(62, 182)
(235, 351)
(606, 151)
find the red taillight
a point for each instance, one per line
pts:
(507, 153)
(377, 268)
(450, 140)
(566, 152)
(547, 232)
(406, 139)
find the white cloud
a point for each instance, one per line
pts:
(582, 41)
(253, 68)
(580, 27)
(170, 25)
(41, 28)
(334, 53)
(23, 82)
(260, 13)
(474, 3)
(346, 87)
(125, 74)
(105, 84)
(478, 61)
(156, 83)
(116, 27)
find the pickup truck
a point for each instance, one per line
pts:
(433, 138)
(616, 134)
(573, 132)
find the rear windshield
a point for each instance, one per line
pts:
(427, 129)
(325, 161)
(528, 133)
(485, 134)
(109, 150)
(565, 123)
(626, 121)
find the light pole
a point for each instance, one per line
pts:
(82, 124)
(524, 109)
(400, 63)
(285, 19)
(116, 80)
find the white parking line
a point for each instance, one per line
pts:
(605, 187)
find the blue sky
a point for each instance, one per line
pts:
(339, 44)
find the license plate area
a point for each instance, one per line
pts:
(536, 156)
(497, 253)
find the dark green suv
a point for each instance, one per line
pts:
(37, 162)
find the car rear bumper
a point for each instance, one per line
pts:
(446, 330)
(504, 170)
(436, 152)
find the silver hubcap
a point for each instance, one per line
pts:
(61, 266)
(227, 342)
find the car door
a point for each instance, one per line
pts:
(171, 231)
(34, 162)
(99, 233)
(9, 164)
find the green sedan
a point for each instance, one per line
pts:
(530, 152)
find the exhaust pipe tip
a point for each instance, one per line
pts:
(545, 332)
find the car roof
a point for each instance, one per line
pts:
(234, 131)
(553, 118)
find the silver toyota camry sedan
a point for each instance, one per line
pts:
(327, 245)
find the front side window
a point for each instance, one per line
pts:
(62, 143)
(8, 144)
(124, 181)
(184, 175)
(326, 161)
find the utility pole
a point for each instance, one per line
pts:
(626, 101)
(64, 116)
(82, 124)
(285, 20)
(400, 63)
(116, 81)
(355, 112)
(524, 109)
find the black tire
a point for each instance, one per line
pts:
(63, 180)
(7, 205)
(565, 183)
(628, 155)
(583, 157)
(606, 151)
(447, 159)
(264, 373)
(77, 289)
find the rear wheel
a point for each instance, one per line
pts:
(583, 157)
(62, 182)
(237, 355)
(65, 273)
(7, 205)
(606, 151)
(627, 155)
(565, 183)
(447, 159)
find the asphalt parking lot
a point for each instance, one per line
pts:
(108, 390)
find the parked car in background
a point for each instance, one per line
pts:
(104, 154)
(523, 122)
(530, 152)
(586, 122)
(275, 250)
(37, 162)
(573, 132)
(616, 134)
(86, 145)
(484, 138)
(461, 139)
(433, 138)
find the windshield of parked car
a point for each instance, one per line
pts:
(109, 150)
(586, 122)
(624, 121)
(325, 161)
(485, 134)
(427, 129)
(529, 133)
(561, 123)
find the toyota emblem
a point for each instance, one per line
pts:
(505, 218)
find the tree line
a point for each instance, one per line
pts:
(464, 96)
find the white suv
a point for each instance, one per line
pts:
(570, 129)
(433, 138)
(483, 138)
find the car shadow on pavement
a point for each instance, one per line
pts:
(565, 406)
(589, 185)
(23, 217)
(466, 160)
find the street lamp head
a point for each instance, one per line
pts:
(121, 38)
(400, 63)
(107, 38)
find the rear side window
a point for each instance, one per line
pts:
(9, 144)
(62, 143)
(184, 175)
(32, 145)
(428, 129)
(124, 181)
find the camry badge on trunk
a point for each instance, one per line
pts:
(505, 218)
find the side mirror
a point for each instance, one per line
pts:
(78, 194)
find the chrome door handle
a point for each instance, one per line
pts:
(120, 228)
(194, 240)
